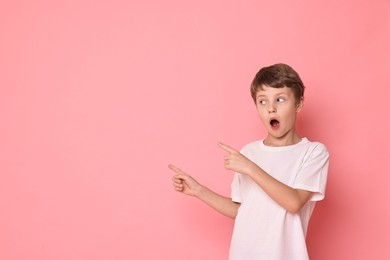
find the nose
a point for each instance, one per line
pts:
(271, 108)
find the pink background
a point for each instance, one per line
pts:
(98, 97)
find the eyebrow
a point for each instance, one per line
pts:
(276, 94)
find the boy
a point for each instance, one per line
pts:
(277, 180)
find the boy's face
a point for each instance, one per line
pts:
(277, 108)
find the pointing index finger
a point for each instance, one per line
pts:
(175, 169)
(227, 148)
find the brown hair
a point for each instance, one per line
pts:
(278, 76)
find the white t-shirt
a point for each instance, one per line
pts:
(264, 230)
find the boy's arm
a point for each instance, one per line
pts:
(289, 198)
(187, 185)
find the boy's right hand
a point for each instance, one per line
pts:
(184, 183)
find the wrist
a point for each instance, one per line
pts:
(199, 191)
(252, 170)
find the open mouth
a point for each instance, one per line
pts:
(274, 123)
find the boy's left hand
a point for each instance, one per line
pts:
(237, 162)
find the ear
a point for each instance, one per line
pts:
(300, 104)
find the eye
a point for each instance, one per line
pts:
(262, 102)
(280, 100)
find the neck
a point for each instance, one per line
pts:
(288, 139)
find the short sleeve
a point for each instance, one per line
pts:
(314, 172)
(235, 188)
